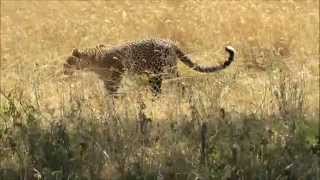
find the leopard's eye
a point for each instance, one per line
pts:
(84, 62)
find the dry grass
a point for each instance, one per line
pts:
(277, 64)
(36, 37)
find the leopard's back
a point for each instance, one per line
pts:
(145, 56)
(152, 56)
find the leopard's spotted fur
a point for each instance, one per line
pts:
(154, 57)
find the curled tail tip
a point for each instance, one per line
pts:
(230, 49)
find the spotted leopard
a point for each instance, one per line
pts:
(155, 57)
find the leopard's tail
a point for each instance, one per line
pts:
(187, 61)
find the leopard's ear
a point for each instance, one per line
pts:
(75, 52)
(100, 46)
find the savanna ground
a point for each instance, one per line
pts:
(258, 119)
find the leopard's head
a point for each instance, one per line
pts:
(76, 62)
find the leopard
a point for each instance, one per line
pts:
(156, 58)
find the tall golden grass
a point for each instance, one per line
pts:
(36, 37)
(275, 78)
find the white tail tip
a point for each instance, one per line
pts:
(230, 48)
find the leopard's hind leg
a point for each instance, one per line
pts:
(180, 84)
(155, 82)
(174, 74)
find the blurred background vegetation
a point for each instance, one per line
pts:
(258, 119)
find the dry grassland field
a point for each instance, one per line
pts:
(256, 119)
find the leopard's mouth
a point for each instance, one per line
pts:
(68, 69)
